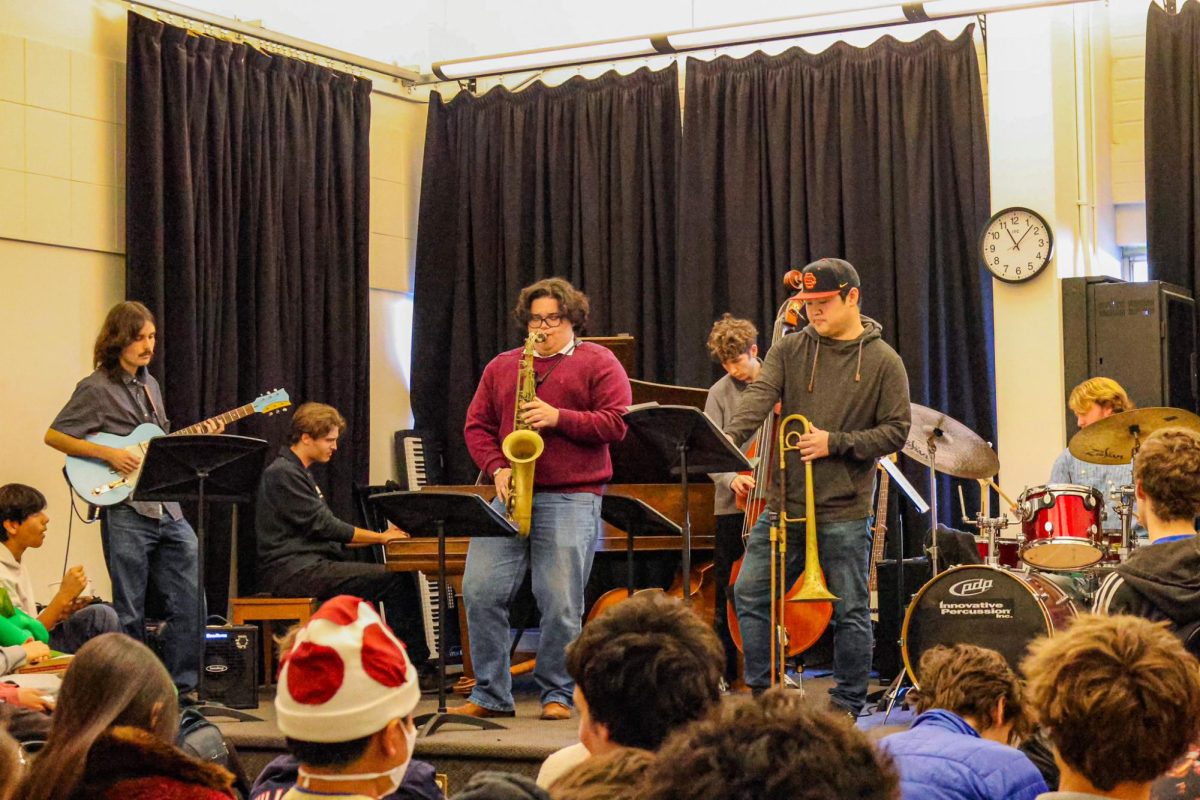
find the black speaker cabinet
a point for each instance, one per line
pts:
(230, 665)
(1142, 335)
(887, 631)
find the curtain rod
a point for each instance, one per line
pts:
(863, 17)
(303, 46)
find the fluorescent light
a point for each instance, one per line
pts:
(539, 59)
(788, 27)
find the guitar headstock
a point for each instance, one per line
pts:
(272, 402)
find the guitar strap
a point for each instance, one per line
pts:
(148, 407)
(153, 407)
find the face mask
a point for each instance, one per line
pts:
(395, 775)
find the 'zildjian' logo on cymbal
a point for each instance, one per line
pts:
(916, 449)
(1106, 453)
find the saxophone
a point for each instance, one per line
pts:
(524, 445)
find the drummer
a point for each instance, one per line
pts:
(1094, 400)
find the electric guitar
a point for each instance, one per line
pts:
(101, 485)
(878, 537)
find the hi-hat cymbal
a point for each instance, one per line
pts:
(959, 451)
(1112, 440)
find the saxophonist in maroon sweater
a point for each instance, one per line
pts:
(582, 393)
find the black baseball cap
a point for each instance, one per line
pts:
(826, 278)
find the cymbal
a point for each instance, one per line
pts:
(1111, 440)
(959, 451)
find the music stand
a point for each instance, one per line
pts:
(895, 689)
(202, 467)
(689, 443)
(442, 514)
(635, 517)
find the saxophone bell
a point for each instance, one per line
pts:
(524, 445)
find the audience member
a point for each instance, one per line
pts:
(11, 658)
(490, 785)
(969, 707)
(12, 767)
(772, 747)
(346, 694)
(70, 618)
(615, 774)
(1119, 698)
(1161, 580)
(1181, 781)
(113, 731)
(641, 669)
(420, 781)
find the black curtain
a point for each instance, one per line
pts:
(875, 155)
(576, 180)
(247, 219)
(1173, 144)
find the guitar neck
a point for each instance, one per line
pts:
(228, 417)
(879, 530)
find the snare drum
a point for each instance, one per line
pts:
(1061, 524)
(984, 606)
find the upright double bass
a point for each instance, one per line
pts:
(802, 623)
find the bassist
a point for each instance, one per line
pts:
(144, 543)
(732, 343)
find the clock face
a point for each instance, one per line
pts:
(1016, 244)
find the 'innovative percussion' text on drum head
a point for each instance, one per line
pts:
(985, 606)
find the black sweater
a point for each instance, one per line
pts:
(294, 525)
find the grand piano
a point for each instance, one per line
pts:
(636, 473)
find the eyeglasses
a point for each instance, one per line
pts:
(550, 320)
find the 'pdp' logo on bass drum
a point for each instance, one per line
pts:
(971, 587)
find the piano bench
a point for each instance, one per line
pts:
(266, 611)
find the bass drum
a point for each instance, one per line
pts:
(984, 606)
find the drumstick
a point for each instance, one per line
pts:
(985, 499)
(1000, 492)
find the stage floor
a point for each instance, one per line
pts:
(520, 747)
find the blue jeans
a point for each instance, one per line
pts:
(139, 550)
(85, 624)
(559, 548)
(845, 549)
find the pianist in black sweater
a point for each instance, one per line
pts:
(302, 545)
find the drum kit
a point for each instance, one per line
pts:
(1035, 583)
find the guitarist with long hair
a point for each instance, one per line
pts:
(144, 543)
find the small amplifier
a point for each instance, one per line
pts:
(888, 659)
(230, 666)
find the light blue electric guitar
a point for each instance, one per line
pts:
(98, 483)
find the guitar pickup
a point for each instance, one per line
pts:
(107, 487)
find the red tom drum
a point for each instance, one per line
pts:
(1062, 526)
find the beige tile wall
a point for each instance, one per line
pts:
(1127, 26)
(62, 139)
(397, 143)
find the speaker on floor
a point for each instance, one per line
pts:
(888, 662)
(230, 666)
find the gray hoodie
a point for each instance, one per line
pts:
(857, 390)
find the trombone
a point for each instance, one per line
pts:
(810, 587)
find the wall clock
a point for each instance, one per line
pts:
(1016, 244)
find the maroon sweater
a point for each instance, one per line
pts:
(591, 392)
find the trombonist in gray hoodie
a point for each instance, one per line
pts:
(852, 386)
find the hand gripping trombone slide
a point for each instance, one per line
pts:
(810, 587)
